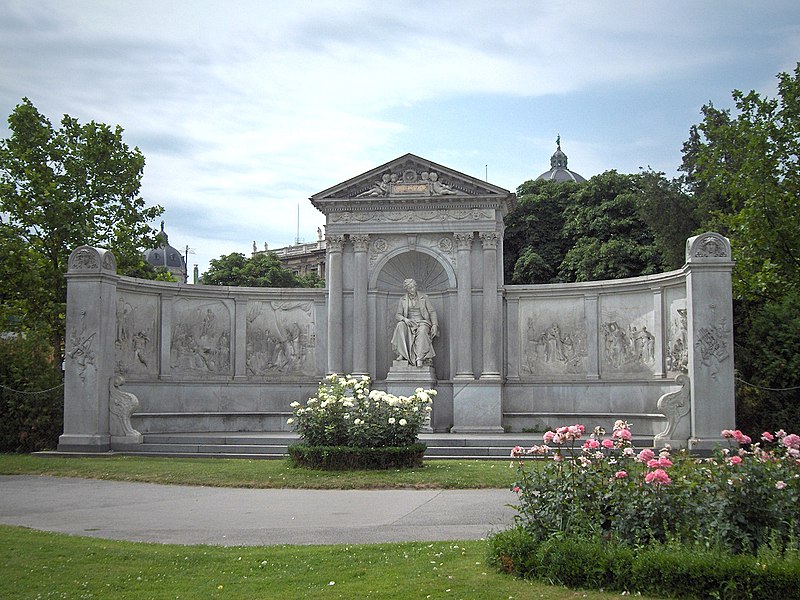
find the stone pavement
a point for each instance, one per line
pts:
(174, 514)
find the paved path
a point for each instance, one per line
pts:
(243, 517)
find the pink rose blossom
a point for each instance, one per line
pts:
(780, 433)
(548, 436)
(623, 434)
(767, 437)
(659, 476)
(780, 485)
(652, 463)
(608, 443)
(621, 474)
(517, 451)
(791, 441)
(735, 460)
(591, 444)
(645, 455)
(664, 461)
(516, 488)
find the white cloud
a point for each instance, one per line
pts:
(245, 109)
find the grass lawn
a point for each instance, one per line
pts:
(235, 472)
(46, 565)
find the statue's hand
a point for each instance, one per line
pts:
(434, 331)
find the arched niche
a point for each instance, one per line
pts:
(431, 274)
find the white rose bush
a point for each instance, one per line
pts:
(347, 425)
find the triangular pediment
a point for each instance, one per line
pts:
(408, 178)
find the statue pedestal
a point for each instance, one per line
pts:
(403, 379)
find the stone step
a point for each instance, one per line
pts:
(273, 444)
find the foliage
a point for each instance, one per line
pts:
(707, 526)
(609, 227)
(745, 169)
(736, 502)
(59, 189)
(669, 570)
(346, 413)
(262, 270)
(533, 246)
(31, 393)
(348, 458)
(609, 240)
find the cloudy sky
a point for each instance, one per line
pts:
(244, 109)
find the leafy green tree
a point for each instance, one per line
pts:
(669, 212)
(262, 270)
(608, 238)
(533, 244)
(744, 169)
(61, 188)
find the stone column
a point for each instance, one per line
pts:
(710, 331)
(89, 353)
(360, 282)
(491, 337)
(464, 303)
(334, 268)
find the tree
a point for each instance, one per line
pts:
(744, 170)
(262, 270)
(533, 245)
(608, 239)
(59, 189)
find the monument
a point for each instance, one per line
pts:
(414, 297)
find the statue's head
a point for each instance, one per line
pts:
(410, 285)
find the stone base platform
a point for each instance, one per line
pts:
(272, 445)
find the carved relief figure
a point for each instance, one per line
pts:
(678, 352)
(417, 326)
(135, 352)
(437, 187)
(628, 348)
(199, 342)
(280, 338)
(552, 351)
(81, 349)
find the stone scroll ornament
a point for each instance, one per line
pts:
(121, 406)
(675, 406)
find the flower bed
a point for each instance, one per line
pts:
(347, 426)
(599, 492)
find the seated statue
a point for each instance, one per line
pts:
(416, 327)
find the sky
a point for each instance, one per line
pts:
(245, 109)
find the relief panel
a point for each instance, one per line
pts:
(136, 342)
(553, 338)
(201, 338)
(677, 350)
(627, 340)
(281, 338)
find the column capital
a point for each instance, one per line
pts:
(334, 243)
(463, 240)
(489, 239)
(360, 242)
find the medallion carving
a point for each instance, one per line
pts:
(84, 259)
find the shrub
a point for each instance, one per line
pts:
(348, 458)
(31, 394)
(346, 413)
(347, 426)
(601, 514)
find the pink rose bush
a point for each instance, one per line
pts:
(600, 487)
